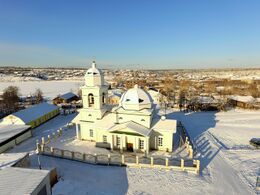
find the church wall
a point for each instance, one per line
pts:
(167, 140)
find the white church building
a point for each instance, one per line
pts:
(133, 125)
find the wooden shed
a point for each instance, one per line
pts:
(65, 98)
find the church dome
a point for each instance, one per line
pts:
(136, 99)
(94, 76)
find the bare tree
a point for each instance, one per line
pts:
(253, 90)
(38, 96)
(11, 98)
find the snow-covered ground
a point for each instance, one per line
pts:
(223, 141)
(229, 165)
(50, 89)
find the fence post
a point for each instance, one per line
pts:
(198, 166)
(43, 141)
(191, 153)
(151, 161)
(84, 157)
(95, 155)
(49, 138)
(122, 159)
(186, 139)
(37, 145)
(109, 159)
(54, 136)
(182, 164)
(52, 150)
(42, 148)
(137, 160)
(62, 153)
(58, 133)
(72, 154)
(166, 162)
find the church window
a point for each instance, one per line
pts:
(140, 100)
(103, 98)
(160, 141)
(120, 117)
(118, 141)
(141, 144)
(142, 120)
(91, 100)
(128, 100)
(91, 134)
(104, 139)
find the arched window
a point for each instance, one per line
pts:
(90, 100)
(103, 98)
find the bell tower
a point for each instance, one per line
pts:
(94, 95)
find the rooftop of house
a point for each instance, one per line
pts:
(245, 99)
(68, 96)
(10, 159)
(29, 114)
(9, 131)
(20, 180)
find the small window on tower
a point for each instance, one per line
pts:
(128, 100)
(91, 100)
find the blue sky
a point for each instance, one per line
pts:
(130, 33)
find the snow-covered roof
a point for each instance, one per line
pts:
(246, 99)
(205, 100)
(136, 99)
(10, 159)
(9, 131)
(68, 95)
(29, 114)
(21, 180)
(140, 129)
(164, 125)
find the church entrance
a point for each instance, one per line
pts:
(130, 147)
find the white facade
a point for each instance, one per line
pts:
(132, 125)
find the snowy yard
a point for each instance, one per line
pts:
(68, 141)
(229, 165)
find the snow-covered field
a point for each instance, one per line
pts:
(229, 165)
(50, 89)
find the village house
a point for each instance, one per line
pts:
(65, 98)
(246, 102)
(133, 125)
